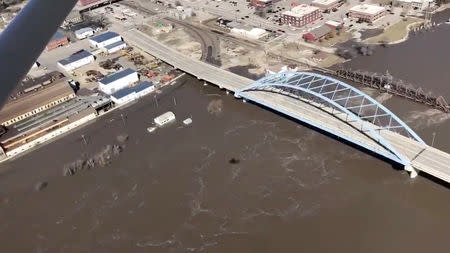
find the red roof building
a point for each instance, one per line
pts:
(87, 2)
(318, 33)
(58, 40)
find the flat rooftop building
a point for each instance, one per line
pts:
(367, 12)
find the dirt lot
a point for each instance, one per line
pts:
(176, 38)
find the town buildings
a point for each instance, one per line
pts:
(104, 39)
(317, 33)
(301, 15)
(129, 94)
(325, 5)
(35, 100)
(260, 3)
(76, 60)
(114, 47)
(88, 2)
(253, 33)
(84, 33)
(415, 4)
(58, 40)
(335, 24)
(367, 12)
(118, 81)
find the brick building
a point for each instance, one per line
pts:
(58, 40)
(318, 33)
(87, 2)
(301, 15)
(260, 3)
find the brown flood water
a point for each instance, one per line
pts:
(293, 189)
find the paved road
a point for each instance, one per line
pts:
(423, 157)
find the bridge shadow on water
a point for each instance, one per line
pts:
(394, 165)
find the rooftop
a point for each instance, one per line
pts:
(35, 100)
(301, 10)
(333, 23)
(320, 31)
(115, 44)
(58, 36)
(142, 86)
(129, 90)
(104, 36)
(122, 93)
(83, 30)
(367, 9)
(324, 2)
(75, 57)
(116, 76)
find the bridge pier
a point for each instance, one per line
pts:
(412, 172)
(228, 92)
(236, 95)
(205, 84)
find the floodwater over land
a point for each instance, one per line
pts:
(238, 179)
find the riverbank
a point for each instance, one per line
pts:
(396, 33)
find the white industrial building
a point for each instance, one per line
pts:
(118, 81)
(105, 39)
(254, 33)
(129, 94)
(83, 33)
(76, 60)
(114, 47)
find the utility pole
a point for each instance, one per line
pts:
(123, 118)
(84, 139)
(156, 101)
(432, 141)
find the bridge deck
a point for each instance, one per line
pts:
(423, 157)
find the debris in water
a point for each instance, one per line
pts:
(122, 138)
(187, 121)
(234, 161)
(41, 186)
(215, 107)
(102, 159)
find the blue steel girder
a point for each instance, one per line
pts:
(328, 91)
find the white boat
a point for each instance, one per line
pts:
(151, 129)
(187, 121)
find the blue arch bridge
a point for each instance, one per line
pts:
(321, 101)
(346, 112)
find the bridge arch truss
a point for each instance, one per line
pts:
(343, 101)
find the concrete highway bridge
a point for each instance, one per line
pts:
(320, 101)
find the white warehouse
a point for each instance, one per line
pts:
(118, 81)
(105, 39)
(129, 94)
(83, 33)
(114, 47)
(76, 60)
